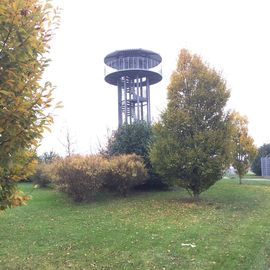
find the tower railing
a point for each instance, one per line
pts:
(109, 70)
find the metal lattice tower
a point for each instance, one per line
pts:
(133, 71)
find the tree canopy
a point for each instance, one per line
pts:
(136, 138)
(244, 148)
(192, 141)
(26, 28)
(132, 138)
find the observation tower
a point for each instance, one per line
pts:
(133, 71)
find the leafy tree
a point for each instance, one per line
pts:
(244, 148)
(136, 138)
(263, 151)
(192, 143)
(132, 138)
(25, 31)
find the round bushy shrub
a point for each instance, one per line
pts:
(125, 172)
(81, 177)
(45, 172)
(136, 138)
(44, 175)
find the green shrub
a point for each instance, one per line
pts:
(125, 172)
(136, 138)
(81, 177)
(132, 138)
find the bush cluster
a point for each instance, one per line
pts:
(82, 177)
(135, 138)
(125, 172)
(45, 174)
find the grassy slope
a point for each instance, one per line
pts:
(230, 229)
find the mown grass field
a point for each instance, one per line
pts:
(229, 229)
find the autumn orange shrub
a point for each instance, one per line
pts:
(125, 172)
(45, 174)
(81, 177)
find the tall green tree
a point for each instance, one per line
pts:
(244, 149)
(192, 141)
(263, 151)
(26, 28)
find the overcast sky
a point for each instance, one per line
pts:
(232, 36)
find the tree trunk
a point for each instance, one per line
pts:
(240, 180)
(196, 197)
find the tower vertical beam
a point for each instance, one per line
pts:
(133, 97)
(130, 104)
(120, 118)
(138, 98)
(141, 92)
(125, 93)
(148, 100)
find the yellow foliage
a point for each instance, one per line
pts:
(25, 34)
(126, 171)
(83, 176)
(45, 173)
(244, 151)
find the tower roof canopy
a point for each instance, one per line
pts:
(132, 53)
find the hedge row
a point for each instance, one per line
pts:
(81, 177)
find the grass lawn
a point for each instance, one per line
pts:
(229, 229)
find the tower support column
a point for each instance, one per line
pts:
(148, 101)
(125, 93)
(142, 99)
(138, 98)
(120, 118)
